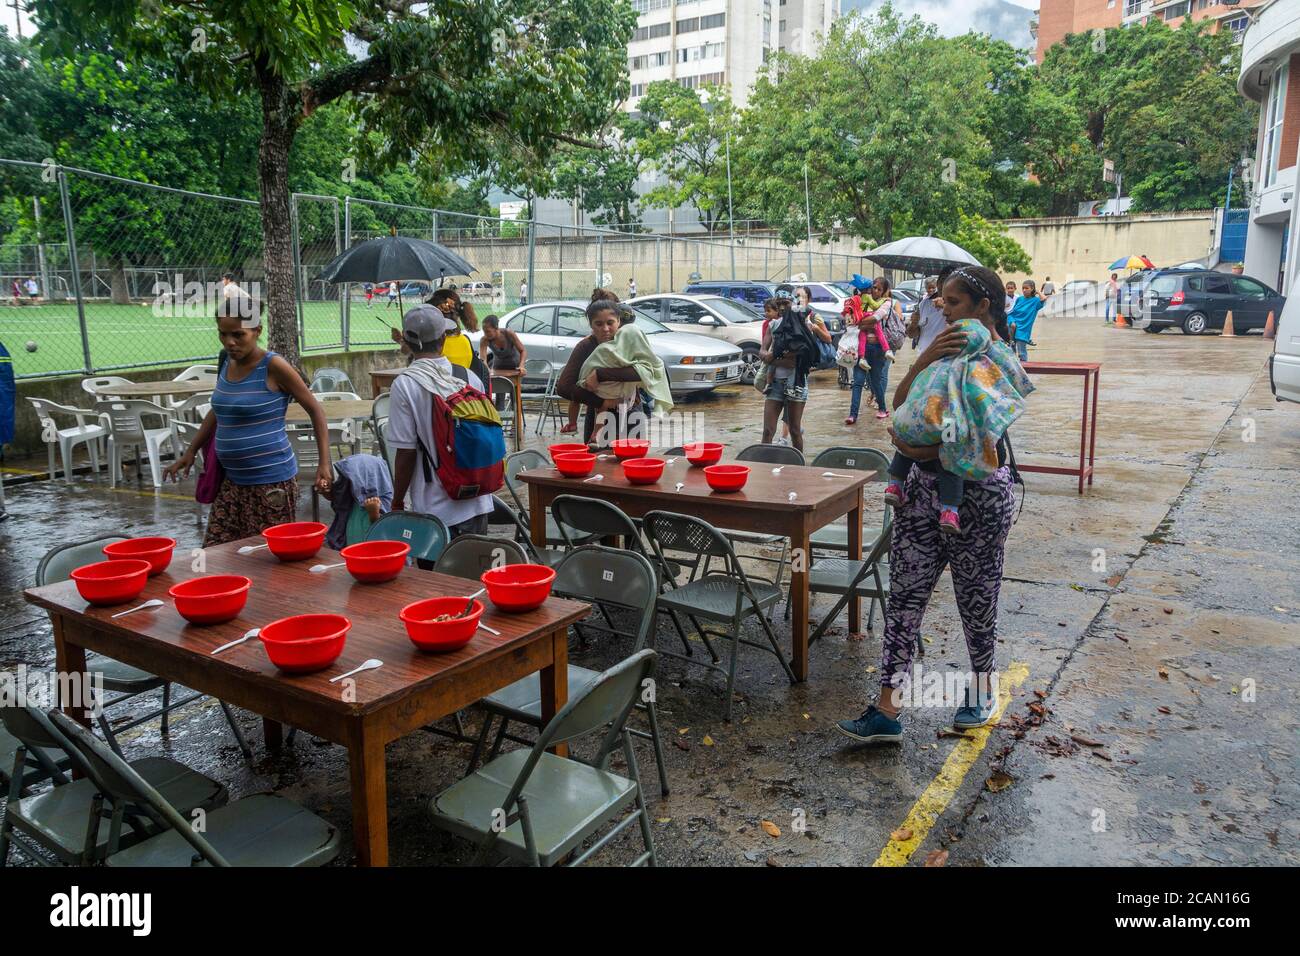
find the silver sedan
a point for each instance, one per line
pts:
(550, 330)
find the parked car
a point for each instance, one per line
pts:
(718, 317)
(1198, 301)
(749, 291)
(1284, 366)
(549, 330)
(477, 291)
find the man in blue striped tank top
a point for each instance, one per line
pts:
(253, 391)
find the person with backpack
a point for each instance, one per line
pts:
(790, 348)
(448, 452)
(890, 319)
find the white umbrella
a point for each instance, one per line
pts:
(924, 254)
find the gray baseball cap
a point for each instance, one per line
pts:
(424, 325)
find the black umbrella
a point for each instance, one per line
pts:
(395, 259)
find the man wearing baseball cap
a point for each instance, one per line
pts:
(410, 422)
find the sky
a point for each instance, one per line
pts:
(1003, 19)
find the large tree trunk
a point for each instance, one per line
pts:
(121, 294)
(279, 123)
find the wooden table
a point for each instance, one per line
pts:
(411, 690)
(1090, 372)
(763, 505)
(381, 379)
(336, 410)
(154, 389)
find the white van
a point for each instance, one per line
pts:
(1284, 369)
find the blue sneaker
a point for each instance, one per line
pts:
(969, 716)
(873, 727)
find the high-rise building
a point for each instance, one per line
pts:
(1059, 18)
(802, 25)
(1270, 75)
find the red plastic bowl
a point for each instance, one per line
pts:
(643, 471)
(430, 635)
(212, 599)
(703, 453)
(157, 551)
(111, 582)
(575, 464)
(566, 448)
(375, 561)
(295, 541)
(726, 477)
(305, 642)
(630, 447)
(518, 587)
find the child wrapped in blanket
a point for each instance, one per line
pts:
(963, 403)
(629, 349)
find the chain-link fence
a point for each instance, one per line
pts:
(103, 274)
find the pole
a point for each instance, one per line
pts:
(338, 248)
(807, 211)
(731, 213)
(76, 269)
(297, 270)
(41, 265)
(657, 287)
(347, 286)
(532, 256)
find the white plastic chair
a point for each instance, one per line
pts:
(95, 387)
(198, 373)
(125, 421)
(330, 380)
(68, 438)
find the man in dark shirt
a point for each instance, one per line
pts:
(603, 317)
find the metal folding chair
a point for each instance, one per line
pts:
(729, 597)
(846, 577)
(771, 454)
(537, 808)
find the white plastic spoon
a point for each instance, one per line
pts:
(322, 568)
(679, 486)
(490, 630)
(237, 641)
(250, 548)
(153, 602)
(367, 666)
(831, 474)
(593, 478)
(777, 470)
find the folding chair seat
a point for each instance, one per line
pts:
(552, 805)
(868, 578)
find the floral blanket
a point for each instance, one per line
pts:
(965, 403)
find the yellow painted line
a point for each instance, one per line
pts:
(931, 804)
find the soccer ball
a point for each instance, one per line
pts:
(31, 346)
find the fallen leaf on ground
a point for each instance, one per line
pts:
(1164, 710)
(901, 834)
(684, 730)
(945, 732)
(771, 829)
(1164, 674)
(936, 858)
(707, 741)
(999, 781)
(1122, 638)
(1040, 695)
(682, 744)
(1086, 741)
(1168, 610)
(1102, 754)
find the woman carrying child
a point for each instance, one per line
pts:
(919, 550)
(874, 353)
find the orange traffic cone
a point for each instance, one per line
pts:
(1119, 321)
(1227, 325)
(1270, 327)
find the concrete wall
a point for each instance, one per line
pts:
(1063, 248)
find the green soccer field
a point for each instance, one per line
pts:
(132, 335)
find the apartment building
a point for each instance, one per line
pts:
(1270, 75)
(802, 24)
(1059, 18)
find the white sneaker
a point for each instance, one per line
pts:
(864, 365)
(889, 356)
(783, 441)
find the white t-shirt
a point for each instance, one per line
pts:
(410, 412)
(930, 321)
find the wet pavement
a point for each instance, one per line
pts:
(1147, 641)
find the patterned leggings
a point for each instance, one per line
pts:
(918, 554)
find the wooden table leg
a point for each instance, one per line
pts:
(855, 554)
(799, 598)
(69, 659)
(1092, 441)
(1083, 431)
(536, 516)
(555, 683)
(273, 733)
(369, 796)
